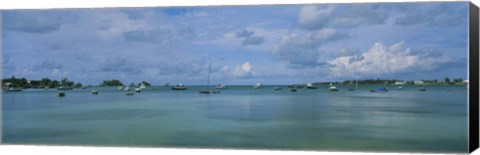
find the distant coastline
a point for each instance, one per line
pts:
(23, 83)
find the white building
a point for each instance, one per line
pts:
(418, 82)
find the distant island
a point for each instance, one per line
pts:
(24, 83)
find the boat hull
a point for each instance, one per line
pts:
(179, 88)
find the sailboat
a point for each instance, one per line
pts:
(179, 86)
(208, 91)
(356, 86)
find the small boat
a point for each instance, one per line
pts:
(60, 94)
(94, 92)
(293, 89)
(351, 89)
(127, 88)
(258, 85)
(119, 87)
(277, 88)
(208, 91)
(138, 90)
(13, 90)
(65, 88)
(179, 87)
(382, 90)
(142, 86)
(399, 88)
(333, 88)
(311, 86)
(220, 86)
(422, 89)
(129, 94)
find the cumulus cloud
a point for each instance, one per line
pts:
(346, 15)
(31, 21)
(302, 50)
(382, 59)
(245, 70)
(248, 38)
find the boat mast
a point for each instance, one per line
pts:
(209, 71)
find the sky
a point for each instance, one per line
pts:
(271, 44)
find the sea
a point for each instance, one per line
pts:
(240, 117)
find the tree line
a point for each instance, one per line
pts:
(15, 82)
(43, 83)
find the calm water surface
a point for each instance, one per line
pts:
(239, 117)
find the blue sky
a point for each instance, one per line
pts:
(277, 44)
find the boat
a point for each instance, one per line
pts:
(65, 88)
(142, 86)
(119, 87)
(422, 89)
(220, 86)
(311, 86)
(179, 87)
(258, 85)
(356, 86)
(333, 88)
(277, 88)
(382, 90)
(129, 94)
(399, 88)
(127, 88)
(138, 90)
(13, 89)
(208, 91)
(94, 92)
(293, 89)
(60, 94)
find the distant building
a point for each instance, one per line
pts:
(399, 83)
(418, 82)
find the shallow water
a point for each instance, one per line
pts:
(240, 117)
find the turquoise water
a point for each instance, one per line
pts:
(239, 117)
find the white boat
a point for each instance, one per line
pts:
(220, 86)
(399, 88)
(143, 86)
(94, 92)
(138, 90)
(126, 88)
(179, 87)
(333, 88)
(422, 89)
(119, 87)
(258, 85)
(311, 86)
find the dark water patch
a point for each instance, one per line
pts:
(35, 135)
(104, 114)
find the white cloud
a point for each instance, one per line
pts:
(244, 70)
(382, 59)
